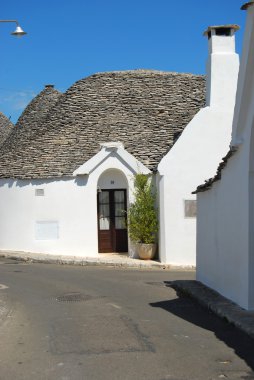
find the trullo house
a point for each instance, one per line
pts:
(66, 170)
(225, 230)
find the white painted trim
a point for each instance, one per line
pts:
(91, 164)
(130, 160)
(112, 150)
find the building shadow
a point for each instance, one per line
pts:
(190, 310)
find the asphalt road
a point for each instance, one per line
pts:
(75, 323)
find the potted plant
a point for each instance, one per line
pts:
(142, 217)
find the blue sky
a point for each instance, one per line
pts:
(70, 39)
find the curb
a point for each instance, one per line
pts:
(219, 305)
(111, 261)
(84, 261)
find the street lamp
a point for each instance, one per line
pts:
(18, 32)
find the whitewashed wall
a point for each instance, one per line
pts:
(71, 202)
(192, 159)
(225, 228)
(196, 154)
(223, 233)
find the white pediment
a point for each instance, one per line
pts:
(112, 149)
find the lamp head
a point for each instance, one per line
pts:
(18, 32)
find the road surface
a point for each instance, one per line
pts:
(96, 323)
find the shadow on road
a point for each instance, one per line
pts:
(188, 309)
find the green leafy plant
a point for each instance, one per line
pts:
(142, 213)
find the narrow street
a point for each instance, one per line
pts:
(72, 323)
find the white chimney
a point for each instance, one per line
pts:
(222, 66)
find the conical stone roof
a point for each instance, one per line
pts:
(20, 139)
(38, 108)
(5, 127)
(143, 109)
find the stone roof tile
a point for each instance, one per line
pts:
(19, 141)
(143, 109)
(6, 127)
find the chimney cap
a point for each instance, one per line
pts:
(246, 5)
(228, 26)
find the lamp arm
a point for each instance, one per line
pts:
(10, 21)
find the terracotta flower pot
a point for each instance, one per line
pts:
(146, 251)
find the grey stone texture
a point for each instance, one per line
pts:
(6, 127)
(143, 109)
(18, 146)
(38, 108)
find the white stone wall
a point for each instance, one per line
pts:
(193, 158)
(225, 228)
(70, 203)
(223, 233)
(196, 155)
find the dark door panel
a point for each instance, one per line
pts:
(105, 241)
(121, 241)
(112, 230)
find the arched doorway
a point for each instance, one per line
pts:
(112, 212)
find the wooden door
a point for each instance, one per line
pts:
(112, 230)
